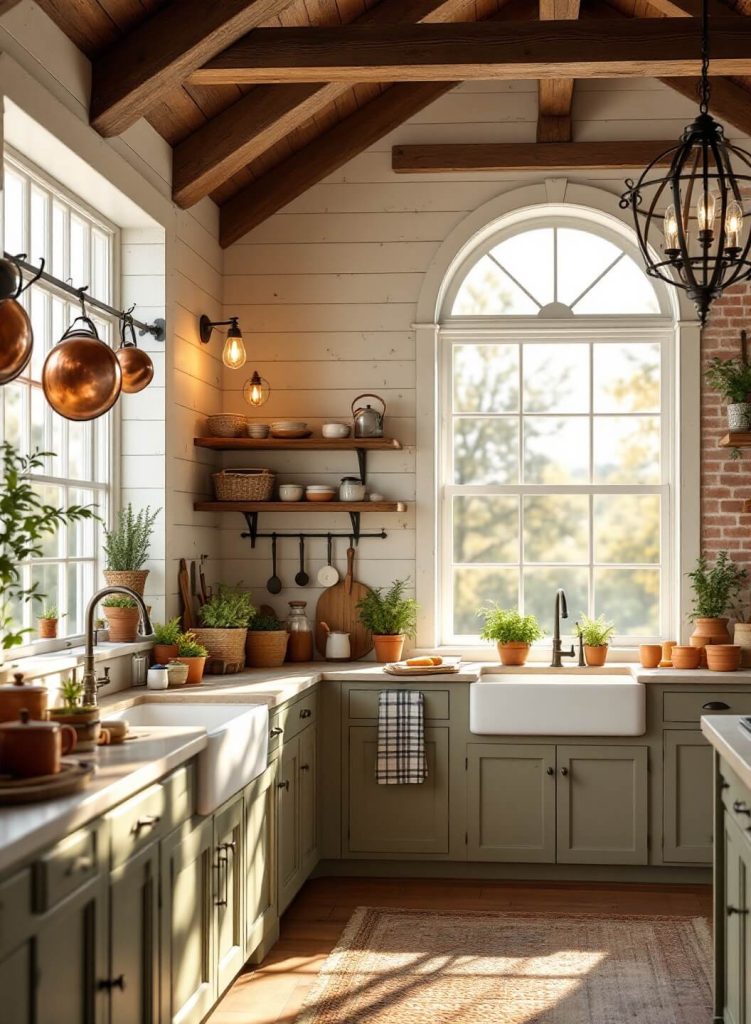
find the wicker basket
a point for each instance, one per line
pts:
(266, 648)
(244, 484)
(223, 644)
(135, 579)
(227, 425)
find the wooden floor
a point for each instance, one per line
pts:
(275, 991)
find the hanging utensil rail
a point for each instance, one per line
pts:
(157, 328)
(354, 538)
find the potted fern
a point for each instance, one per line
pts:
(732, 379)
(47, 622)
(84, 719)
(266, 643)
(224, 619)
(166, 640)
(126, 548)
(122, 616)
(390, 617)
(512, 632)
(595, 635)
(193, 654)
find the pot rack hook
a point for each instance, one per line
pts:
(32, 280)
(126, 323)
(82, 299)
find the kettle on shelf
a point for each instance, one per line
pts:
(368, 422)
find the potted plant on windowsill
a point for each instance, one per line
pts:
(266, 643)
(193, 654)
(390, 617)
(84, 719)
(126, 548)
(595, 635)
(122, 616)
(47, 622)
(166, 641)
(732, 379)
(225, 618)
(717, 589)
(512, 632)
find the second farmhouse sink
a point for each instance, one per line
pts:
(548, 704)
(238, 742)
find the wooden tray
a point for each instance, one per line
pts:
(450, 666)
(72, 777)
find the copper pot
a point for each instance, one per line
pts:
(17, 695)
(16, 334)
(29, 748)
(136, 365)
(81, 376)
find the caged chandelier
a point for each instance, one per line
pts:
(697, 204)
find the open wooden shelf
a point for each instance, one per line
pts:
(736, 441)
(310, 444)
(300, 506)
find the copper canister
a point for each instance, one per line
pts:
(17, 695)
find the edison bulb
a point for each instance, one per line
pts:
(733, 224)
(670, 228)
(256, 390)
(705, 211)
(234, 355)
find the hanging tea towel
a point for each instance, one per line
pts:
(401, 738)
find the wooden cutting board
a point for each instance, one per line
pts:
(337, 607)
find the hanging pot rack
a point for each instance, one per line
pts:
(155, 329)
(355, 535)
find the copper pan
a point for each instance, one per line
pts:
(16, 334)
(136, 365)
(81, 376)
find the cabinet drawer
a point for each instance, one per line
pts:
(364, 703)
(74, 861)
(286, 722)
(15, 910)
(689, 707)
(137, 822)
(736, 799)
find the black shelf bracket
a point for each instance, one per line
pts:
(355, 520)
(362, 463)
(251, 518)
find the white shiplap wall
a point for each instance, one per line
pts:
(327, 289)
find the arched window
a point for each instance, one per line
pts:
(555, 457)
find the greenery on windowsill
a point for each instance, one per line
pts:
(509, 626)
(595, 632)
(126, 546)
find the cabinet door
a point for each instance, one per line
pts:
(229, 891)
(16, 983)
(687, 812)
(261, 919)
(188, 974)
(736, 911)
(71, 960)
(407, 819)
(602, 805)
(288, 823)
(511, 805)
(308, 799)
(134, 939)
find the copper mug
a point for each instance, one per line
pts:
(29, 748)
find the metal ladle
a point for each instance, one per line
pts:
(302, 579)
(274, 584)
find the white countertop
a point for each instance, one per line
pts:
(731, 741)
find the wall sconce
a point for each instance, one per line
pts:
(233, 355)
(256, 391)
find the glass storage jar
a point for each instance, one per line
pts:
(300, 646)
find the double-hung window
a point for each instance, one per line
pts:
(43, 220)
(555, 452)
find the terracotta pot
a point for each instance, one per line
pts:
(123, 624)
(18, 695)
(686, 657)
(513, 653)
(723, 657)
(388, 648)
(709, 631)
(86, 723)
(164, 653)
(47, 629)
(650, 655)
(29, 747)
(742, 637)
(266, 648)
(135, 579)
(195, 670)
(596, 656)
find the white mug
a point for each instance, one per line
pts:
(337, 646)
(157, 678)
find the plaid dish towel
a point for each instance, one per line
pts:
(401, 738)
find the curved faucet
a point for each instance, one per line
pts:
(561, 612)
(91, 683)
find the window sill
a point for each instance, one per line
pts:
(537, 655)
(35, 666)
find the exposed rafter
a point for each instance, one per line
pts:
(525, 156)
(162, 51)
(556, 97)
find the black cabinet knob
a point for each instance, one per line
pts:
(564, 771)
(283, 785)
(741, 808)
(276, 731)
(550, 771)
(107, 984)
(306, 713)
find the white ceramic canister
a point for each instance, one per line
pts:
(157, 678)
(351, 488)
(337, 646)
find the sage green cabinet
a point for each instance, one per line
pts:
(188, 965)
(602, 804)
(134, 939)
(687, 797)
(735, 908)
(296, 814)
(16, 985)
(229, 891)
(511, 814)
(403, 819)
(308, 740)
(261, 918)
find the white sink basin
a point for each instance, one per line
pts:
(238, 742)
(545, 704)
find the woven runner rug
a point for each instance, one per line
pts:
(426, 967)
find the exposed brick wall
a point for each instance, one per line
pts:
(725, 483)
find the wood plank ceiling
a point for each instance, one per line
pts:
(254, 148)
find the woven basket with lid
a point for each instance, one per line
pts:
(244, 484)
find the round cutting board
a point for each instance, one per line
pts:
(337, 607)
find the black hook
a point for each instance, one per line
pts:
(126, 323)
(82, 299)
(21, 286)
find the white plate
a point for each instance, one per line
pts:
(328, 576)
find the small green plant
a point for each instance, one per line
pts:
(717, 587)
(507, 626)
(227, 608)
(118, 601)
(595, 632)
(189, 647)
(731, 378)
(167, 634)
(50, 612)
(126, 546)
(390, 613)
(265, 624)
(71, 692)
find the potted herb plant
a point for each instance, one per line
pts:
(717, 590)
(84, 719)
(732, 379)
(126, 548)
(512, 632)
(47, 622)
(266, 643)
(193, 654)
(225, 618)
(122, 616)
(595, 635)
(390, 617)
(166, 641)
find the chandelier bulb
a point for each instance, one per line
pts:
(670, 229)
(705, 212)
(733, 224)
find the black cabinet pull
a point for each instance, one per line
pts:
(283, 785)
(715, 705)
(107, 984)
(276, 731)
(80, 864)
(304, 767)
(148, 821)
(741, 808)
(564, 771)
(736, 910)
(550, 771)
(306, 713)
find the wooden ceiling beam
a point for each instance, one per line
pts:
(633, 47)
(525, 156)
(268, 113)
(728, 101)
(555, 98)
(162, 51)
